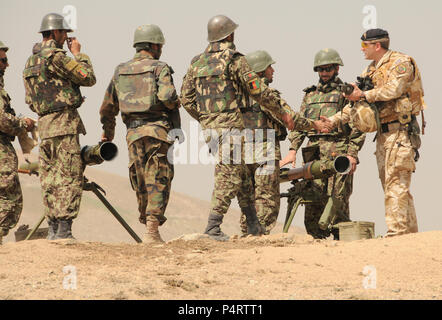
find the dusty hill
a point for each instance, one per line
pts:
(109, 265)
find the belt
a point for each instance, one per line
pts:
(392, 126)
(135, 123)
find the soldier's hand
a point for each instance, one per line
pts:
(353, 164)
(288, 121)
(74, 46)
(356, 95)
(290, 157)
(323, 126)
(30, 123)
(104, 138)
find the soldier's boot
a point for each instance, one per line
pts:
(53, 227)
(64, 230)
(152, 234)
(253, 226)
(213, 229)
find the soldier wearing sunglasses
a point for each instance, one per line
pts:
(325, 99)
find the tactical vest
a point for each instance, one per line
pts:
(255, 118)
(49, 92)
(7, 109)
(215, 91)
(411, 102)
(136, 87)
(322, 104)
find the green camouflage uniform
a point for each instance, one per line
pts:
(263, 165)
(52, 82)
(143, 90)
(11, 199)
(215, 89)
(326, 100)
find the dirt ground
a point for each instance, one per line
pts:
(106, 263)
(278, 266)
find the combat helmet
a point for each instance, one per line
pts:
(54, 21)
(148, 33)
(327, 56)
(220, 27)
(259, 60)
(3, 46)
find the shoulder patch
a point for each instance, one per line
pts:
(83, 73)
(401, 69)
(253, 83)
(310, 89)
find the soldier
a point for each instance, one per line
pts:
(52, 82)
(143, 90)
(215, 89)
(398, 94)
(266, 134)
(11, 199)
(326, 99)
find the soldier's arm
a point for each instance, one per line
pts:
(9, 123)
(166, 89)
(356, 141)
(269, 100)
(343, 116)
(109, 110)
(188, 96)
(395, 86)
(78, 70)
(28, 99)
(296, 138)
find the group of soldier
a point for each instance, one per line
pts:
(222, 90)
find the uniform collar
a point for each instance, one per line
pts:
(329, 86)
(220, 46)
(2, 82)
(49, 44)
(143, 55)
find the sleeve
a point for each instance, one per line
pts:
(78, 70)
(188, 95)
(396, 84)
(9, 123)
(166, 89)
(296, 138)
(357, 139)
(269, 100)
(109, 110)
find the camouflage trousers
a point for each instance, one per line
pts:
(265, 195)
(338, 186)
(229, 180)
(395, 159)
(61, 176)
(11, 198)
(151, 177)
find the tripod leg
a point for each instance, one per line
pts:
(292, 215)
(35, 228)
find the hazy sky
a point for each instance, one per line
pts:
(291, 31)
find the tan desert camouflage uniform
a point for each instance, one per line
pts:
(11, 198)
(143, 90)
(399, 92)
(52, 82)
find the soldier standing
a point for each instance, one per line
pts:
(143, 90)
(217, 85)
(52, 82)
(11, 198)
(326, 99)
(265, 136)
(398, 94)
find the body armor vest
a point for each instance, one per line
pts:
(215, 91)
(136, 87)
(48, 91)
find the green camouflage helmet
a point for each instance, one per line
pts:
(327, 56)
(220, 27)
(149, 33)
(259, 60)
(54, 21)
(3, 46)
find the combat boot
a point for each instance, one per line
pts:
(64, 230)
(253, 226)
(152, 234)
(53, 227)
(213, 229)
